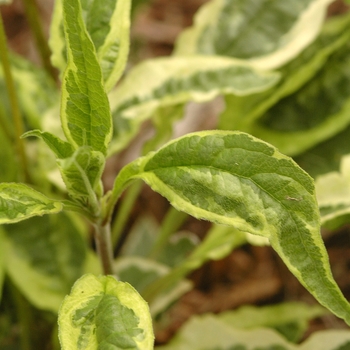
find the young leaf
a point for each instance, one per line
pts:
(45, 256)
(19, 202)
(62, 149)
(82, 174)
(266, 33)
(108, 24)
(235, 179)
(102, 313)
(169, 82)
(85, 112)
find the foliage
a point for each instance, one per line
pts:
(289, 86)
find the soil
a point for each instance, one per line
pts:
(250, 275)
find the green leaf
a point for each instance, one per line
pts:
(290, 319)
(102, 313)
(208, 332)
(62, 149)
(82, 175)
(267, 33)
(45, 255)
(242, 111)
(108, 24)
(85, 112)
(19, 202)
(235, 179)
(168, 82)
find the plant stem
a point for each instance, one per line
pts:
(33, 18)
(5, 126)
(17, 118)
(124, 210)
(104, 247)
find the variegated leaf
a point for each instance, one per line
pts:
(103, 313)
(235, 179)
(169, 82)
(108, 24)
(19, 202)
(267, 33)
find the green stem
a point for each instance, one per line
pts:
(171, 223)
(33, 18)
(5, 126)
(17, 118)
(124, 210)
(104, 247)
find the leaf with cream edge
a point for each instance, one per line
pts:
(314, 113)
(170, 82)
(19, 202)
(108, 24)
(242, 112)
(266, 33)
(103, 313)
(85, 113)
(45, 256)
(208, 332)
(234, 179)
